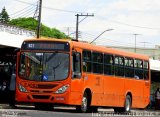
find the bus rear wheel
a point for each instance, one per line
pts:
(84, 104)
(127, 106)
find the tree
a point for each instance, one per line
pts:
(31, 24)
(4, 17)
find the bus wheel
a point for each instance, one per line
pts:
(84, 104)
(127, 105)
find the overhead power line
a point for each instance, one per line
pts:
(28, 14)
(49, 8)
(104, 39)
(25, 13)
(62, 10)
(24, 9)
(135, 25)
(24, 2)
(70, 11)
(36, 13)
(130, 25)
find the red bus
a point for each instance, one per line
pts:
(63, 72)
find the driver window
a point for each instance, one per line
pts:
(76, 65)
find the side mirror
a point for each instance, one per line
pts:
(76, 75)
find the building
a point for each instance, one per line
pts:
(154, 53)
(11, 38)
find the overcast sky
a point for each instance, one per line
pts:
(126, 17)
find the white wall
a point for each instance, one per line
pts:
(154, 65)
(12, 40)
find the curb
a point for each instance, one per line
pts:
(5, 106)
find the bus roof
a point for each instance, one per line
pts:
(103, 49)
(48, 39)
(97, 48)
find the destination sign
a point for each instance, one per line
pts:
(45, 45)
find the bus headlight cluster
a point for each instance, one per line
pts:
(21, 88)
(62, 89)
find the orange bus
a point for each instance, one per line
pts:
(63, 72)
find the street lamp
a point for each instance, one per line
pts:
(100, 35)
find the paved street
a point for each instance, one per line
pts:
(29, 111)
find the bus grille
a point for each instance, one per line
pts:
(41, 96)
(43, 86)
(39, 91)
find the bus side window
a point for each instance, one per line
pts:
(138, 68)
(87, 62)
(76, 65)
(129, 69)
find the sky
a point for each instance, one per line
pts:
(125, 17)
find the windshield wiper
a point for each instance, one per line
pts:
(55, 67)
(51, 56)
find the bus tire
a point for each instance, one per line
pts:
(127, 104)
(84, 107)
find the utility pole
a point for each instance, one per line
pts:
(68, 31)
(135, 35)
(77, 22)
(39, 19)
(144, 44)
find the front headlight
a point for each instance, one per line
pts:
(21, 88)
(62, 89)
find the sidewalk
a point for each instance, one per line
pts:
(5, 106)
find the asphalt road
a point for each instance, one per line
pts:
(29, 111)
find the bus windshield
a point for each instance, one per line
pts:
(44, 66)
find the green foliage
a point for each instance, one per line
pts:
(27, 23)
(31, 24)
(4, 17)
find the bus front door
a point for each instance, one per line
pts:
(76, 81)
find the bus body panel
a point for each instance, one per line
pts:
(95, 83)
(135, 87)
(76, 91)
(113, 91)
(146, 93)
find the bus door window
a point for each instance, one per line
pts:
(28, 66)
(76, 65)
(22, 65)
